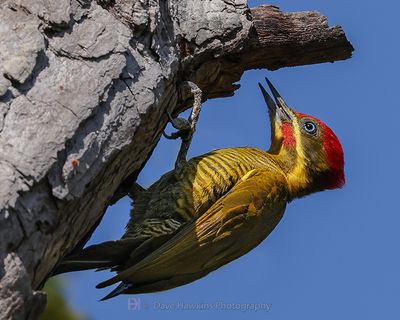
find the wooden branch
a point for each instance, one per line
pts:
(83, 94)
(293, 39)
(276, 39)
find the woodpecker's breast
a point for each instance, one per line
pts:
(208, 177)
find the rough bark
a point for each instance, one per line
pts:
(84, 87)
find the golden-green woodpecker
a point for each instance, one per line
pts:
(223, 205)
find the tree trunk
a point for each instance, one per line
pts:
(84, 87)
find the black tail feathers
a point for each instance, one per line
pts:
(104, 255)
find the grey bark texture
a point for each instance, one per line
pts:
(84, 87)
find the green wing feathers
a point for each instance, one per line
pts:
(213, 240)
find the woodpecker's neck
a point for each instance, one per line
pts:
(288, 154)
(299, 181)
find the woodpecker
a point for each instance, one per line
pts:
(221, 206)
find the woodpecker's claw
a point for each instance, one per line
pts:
(127, 188)
(172, 136)
(179, 123)
(182, 125)
(186, 128)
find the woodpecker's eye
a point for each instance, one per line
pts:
(310, 127)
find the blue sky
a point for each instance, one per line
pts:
(335, 254)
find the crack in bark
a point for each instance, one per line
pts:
(67, 108)
(24, 234)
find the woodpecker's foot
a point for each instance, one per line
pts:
(186, 128)
(182, 125)
(127, 188)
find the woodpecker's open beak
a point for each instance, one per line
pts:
(278, 107)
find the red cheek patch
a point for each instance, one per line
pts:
(289, 139)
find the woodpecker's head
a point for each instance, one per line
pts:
(307, 148)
